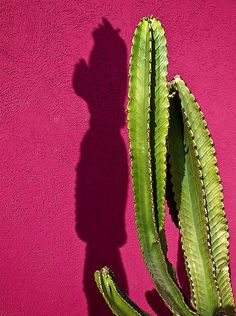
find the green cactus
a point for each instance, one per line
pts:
(164, 118)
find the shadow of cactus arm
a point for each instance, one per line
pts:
(80, 83)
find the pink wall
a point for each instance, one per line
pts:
(66, 199)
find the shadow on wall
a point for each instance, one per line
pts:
(102, 172)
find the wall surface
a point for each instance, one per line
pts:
(66, 196)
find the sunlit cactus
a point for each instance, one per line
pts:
(164, 120)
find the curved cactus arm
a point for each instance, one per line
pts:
(139, 130)
(214, 197)
(119, 303)
(159, 115)
(189, 195)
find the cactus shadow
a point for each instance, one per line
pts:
(181, 274)
(180, 269)
(102, 171)
(157, 304)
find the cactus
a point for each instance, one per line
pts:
(164, 120)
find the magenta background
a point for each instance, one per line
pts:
(43, 125)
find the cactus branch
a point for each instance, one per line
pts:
(119, 302)
(218, 227)
(190, 200)
(139, 134)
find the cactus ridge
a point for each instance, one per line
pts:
(176, 156)
(160, 118)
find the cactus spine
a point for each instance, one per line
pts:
(164, 117)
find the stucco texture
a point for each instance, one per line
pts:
(66, 195)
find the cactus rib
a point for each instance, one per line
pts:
(159, 118)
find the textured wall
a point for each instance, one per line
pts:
(66, 198)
